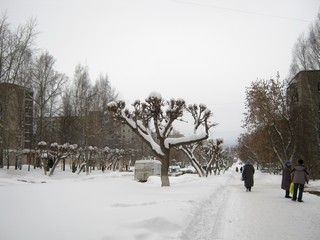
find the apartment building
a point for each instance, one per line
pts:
(304, 100)
(16, 118)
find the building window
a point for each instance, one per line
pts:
(295, 96)
(0, 110)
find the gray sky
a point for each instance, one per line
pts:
(204, 51)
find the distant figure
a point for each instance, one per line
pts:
(247, 175)
(237, 169)
(299, 176)
(286, 178)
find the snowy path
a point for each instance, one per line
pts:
(264, 213)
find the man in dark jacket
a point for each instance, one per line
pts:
(286, 178)
(299, 176)
(247, 175)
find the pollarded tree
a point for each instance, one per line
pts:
(214, 151)
(153, 121)
(61, 152)
(190, 150)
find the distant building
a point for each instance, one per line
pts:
(16, 118)
(97, 129)
(304, 98)
(127, 136)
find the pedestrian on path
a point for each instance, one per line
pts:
(299, 176)
(286, 178)
(247, 175)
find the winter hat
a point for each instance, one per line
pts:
(300, 161)
(287, 162)
(248, 162)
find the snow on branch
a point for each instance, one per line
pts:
(172, 142)
(154, 118)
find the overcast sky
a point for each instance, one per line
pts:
(204, 51)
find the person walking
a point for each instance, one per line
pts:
(299, 176)
(286, 178)
(247, 175)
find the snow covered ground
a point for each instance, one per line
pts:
(112, 206)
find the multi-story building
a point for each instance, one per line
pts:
(16, 118)
(96, 129)
(304, 99)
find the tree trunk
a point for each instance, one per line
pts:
(197, 167)
(45, 164)
(8, 162)
(64, 164)
(164, 172)
(54, 167)
(82, 167)
(29, 161)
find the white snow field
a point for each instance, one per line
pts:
(113, 206)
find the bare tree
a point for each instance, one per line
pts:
(47, 85)
(104, 94)
(16, 48)
(190, 151)
(306, 52)
(153, 120)
(268, 122)
(211, 153)
(214, 152)
(81, 90)
(314, 44)
(61, 152)
(82, 96)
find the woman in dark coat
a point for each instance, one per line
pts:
(286, 178)
(247, 175)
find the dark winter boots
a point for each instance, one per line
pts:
(288, 194)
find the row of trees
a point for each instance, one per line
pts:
(270, 121)
(80, 159)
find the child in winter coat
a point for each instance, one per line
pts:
(299, 176)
